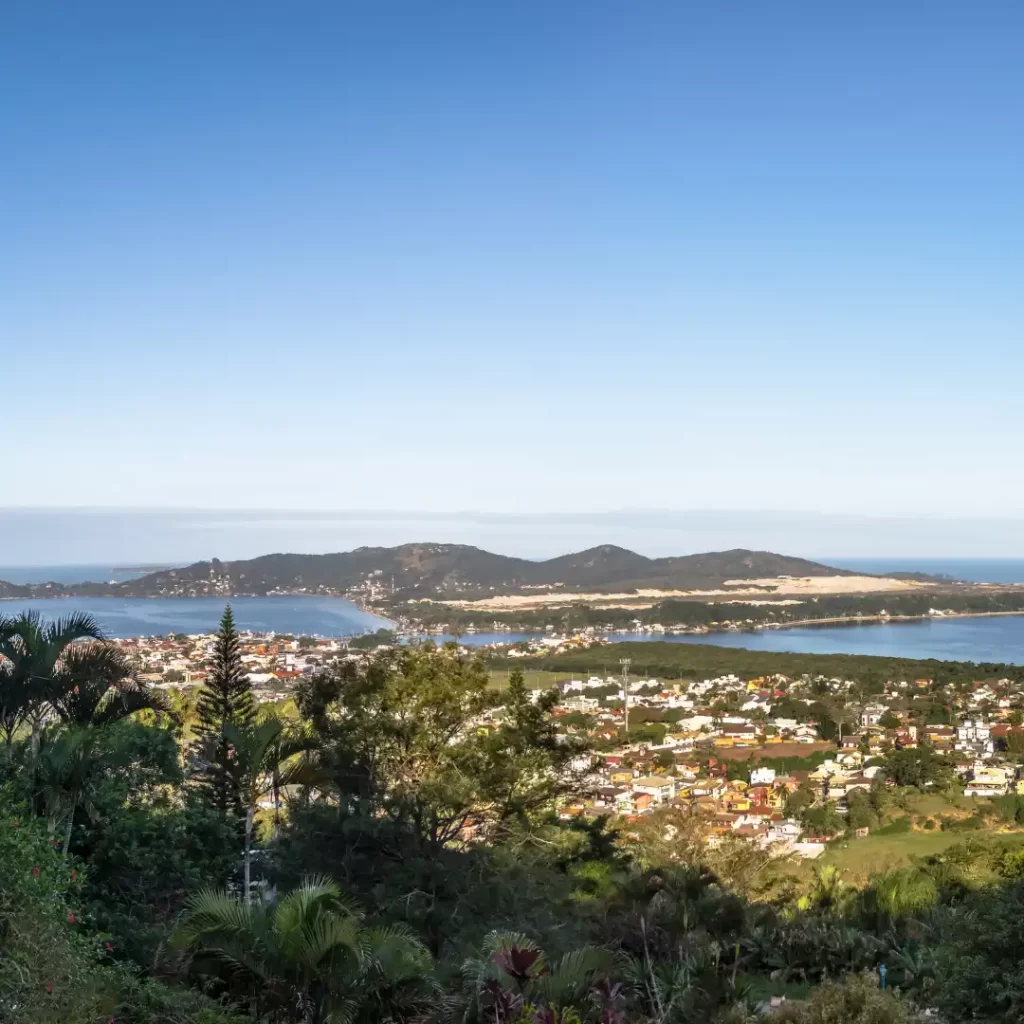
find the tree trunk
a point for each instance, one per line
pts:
(249, 815)
(37, 730)
(276, 783)
(67, 831)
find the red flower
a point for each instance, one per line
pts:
(71, 917)
(49, 986)
(74, 875)
(15, 824)
(35, 872)
(110, 948)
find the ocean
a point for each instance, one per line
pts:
(970, 570)
(23, 574)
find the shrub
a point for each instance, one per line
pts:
(855, 1000)
(895, 828)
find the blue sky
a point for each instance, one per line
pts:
(515, 258)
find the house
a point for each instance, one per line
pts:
(784, 832)
(608, 796)
(872, 713)
(806, 734)
(986, 780)
(762, 776)
(940, 735)
(642, 803)
(661, 789)
(740, 731)
(973, 736)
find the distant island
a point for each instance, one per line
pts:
(461, 588)
(448, 571)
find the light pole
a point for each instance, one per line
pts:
(625, 662)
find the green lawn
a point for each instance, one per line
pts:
(539, 679)
(875, 854)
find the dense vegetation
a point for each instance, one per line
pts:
(693, 661)
(711, 614)
(455, 570)
(393, 853)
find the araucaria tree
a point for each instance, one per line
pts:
(225, 703)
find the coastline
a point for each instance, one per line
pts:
(858, 620)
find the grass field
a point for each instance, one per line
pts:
(860, 858)
(536, 679)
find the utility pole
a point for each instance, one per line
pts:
(624, 662)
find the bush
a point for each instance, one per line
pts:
(895, 828)
(855, 1000)
(53, 968)
(978, 970)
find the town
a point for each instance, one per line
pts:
(786, 763)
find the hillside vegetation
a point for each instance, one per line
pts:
(446, 570)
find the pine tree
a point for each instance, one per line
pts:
(226, 701)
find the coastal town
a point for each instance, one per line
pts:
(775, 760)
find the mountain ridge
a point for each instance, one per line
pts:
(426, 570)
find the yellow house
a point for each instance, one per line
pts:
(736, 802)
(621, 776)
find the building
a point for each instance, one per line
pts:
(661, 789)
(973, 736)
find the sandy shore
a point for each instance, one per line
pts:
(795, 587)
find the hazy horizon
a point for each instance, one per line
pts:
(65, 536)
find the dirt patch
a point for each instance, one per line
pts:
(737, 589)
(773, 750)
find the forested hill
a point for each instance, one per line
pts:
(454, 570)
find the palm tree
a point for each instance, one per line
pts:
(65, 771)
(96, 686)
(265, 757)
(32, 652)
(308, 953)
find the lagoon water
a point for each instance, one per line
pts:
(997, 638)
(994, 638)
(157, 616)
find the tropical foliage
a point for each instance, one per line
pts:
(400, 849)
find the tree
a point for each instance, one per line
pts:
(859, 812)
(917, 766)
(264, 760)
(96, 686)
(32, 655)
(404, 741)
(225, 701)
(889, 721)
(65, 771)
(308, 954)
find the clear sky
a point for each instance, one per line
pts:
(513, 257)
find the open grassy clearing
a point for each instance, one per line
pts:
(875, 854)
(536, 679)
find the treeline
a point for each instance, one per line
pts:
(708, 614)
(666, 660)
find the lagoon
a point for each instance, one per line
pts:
(158, 616)
(988, 638)
(997, 638)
